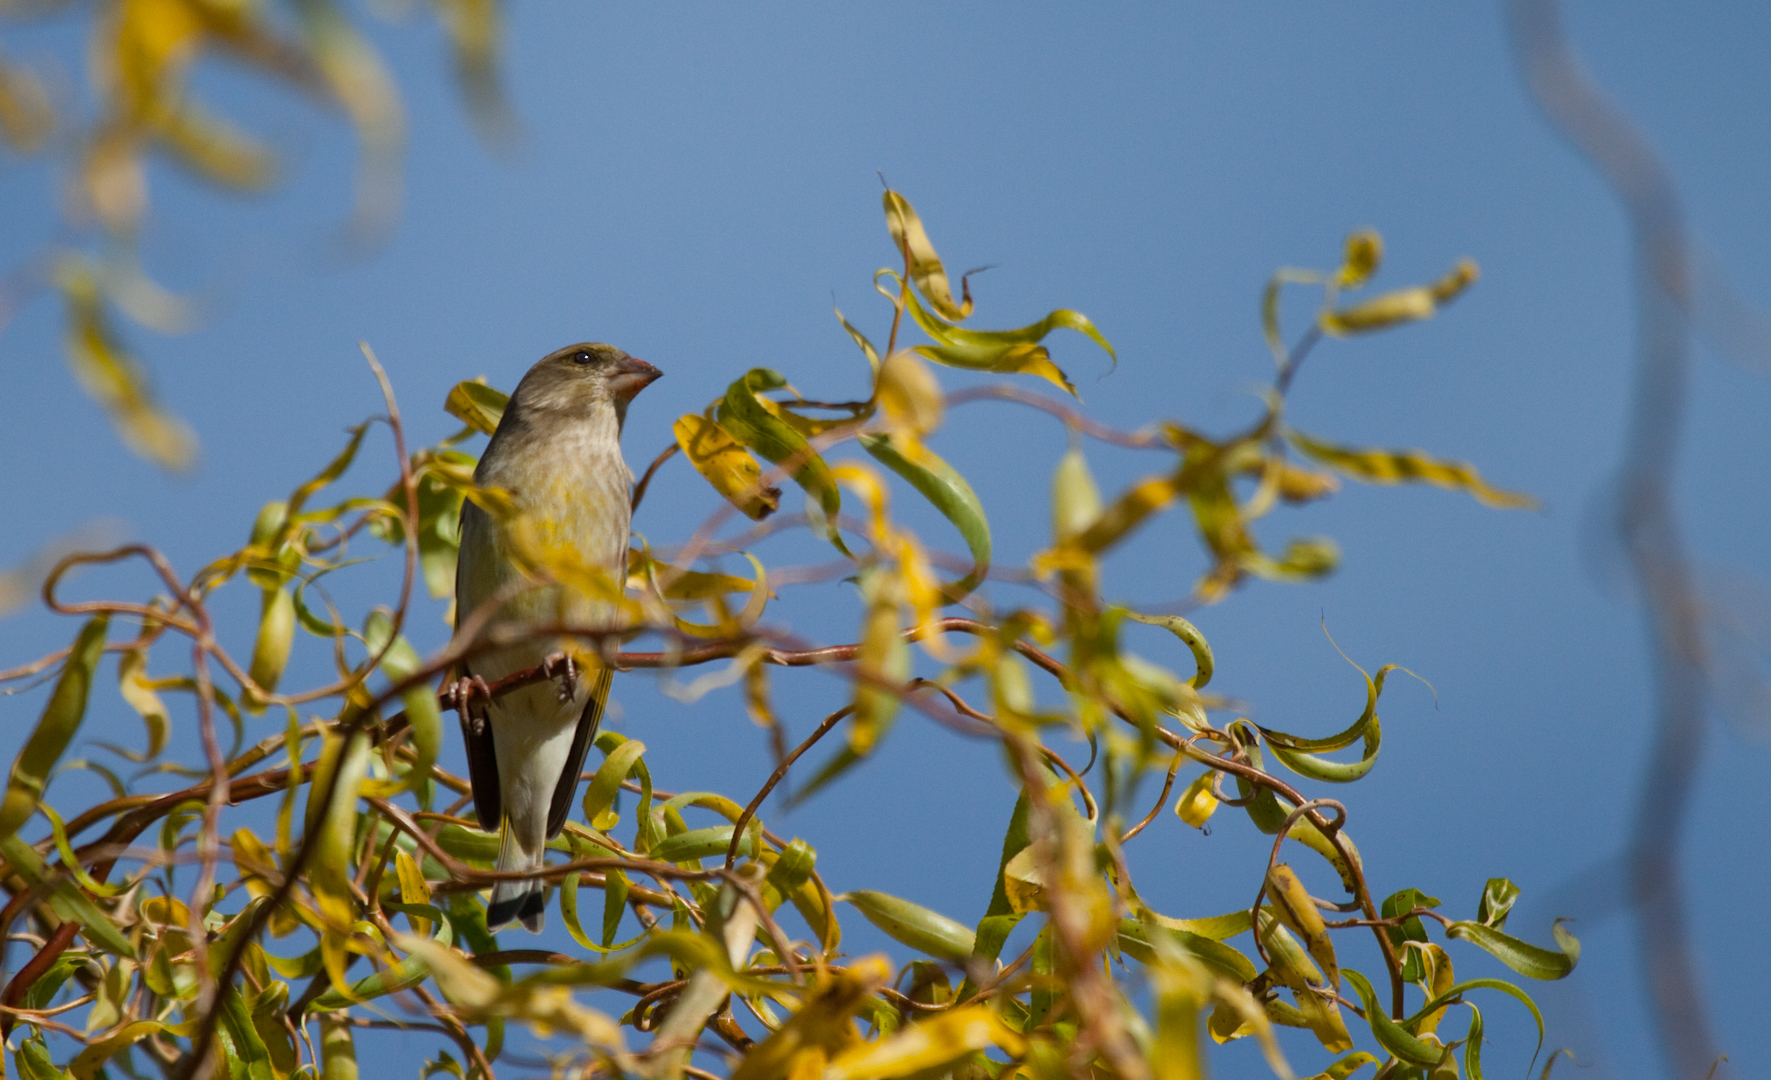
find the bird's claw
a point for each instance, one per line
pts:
(461, 695)
(561, 666)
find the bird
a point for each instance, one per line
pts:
(556, 452)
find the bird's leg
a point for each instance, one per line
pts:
(461, 694)
(561, 666)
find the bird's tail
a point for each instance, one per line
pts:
(522, 901)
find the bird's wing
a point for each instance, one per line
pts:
(482, 757)
(588, 721)
(482, 767)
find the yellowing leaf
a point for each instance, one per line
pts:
(1403, 305)
(938, 1041)
(477, 405)
(26, 116)
(1365, 250)
(55, 729)
(1407, 466)
(909, 394)
(926, 271)
(115, 379)
(1294, 907)
(726, 465)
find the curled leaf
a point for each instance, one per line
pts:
(55, 728)
(477, 405)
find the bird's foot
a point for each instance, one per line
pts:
(461, 695)
(561, 666)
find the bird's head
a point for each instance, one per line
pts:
(582, 378)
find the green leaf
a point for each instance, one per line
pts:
(743, 415)
(1454, 993)
(1135, 938)
(55, 729)
(947, 490)
(1389, 1034)
(1287, 748)
(600, 796)
(1527, 959)
(399, 663)
(1190, 636)
(67, 901)
(615, 889)
(702, 843)
(1498, 898)
(915, 926)
(407, 973)
(1410, 930)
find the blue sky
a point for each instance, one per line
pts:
(697, 183)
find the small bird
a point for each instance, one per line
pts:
(557, 453)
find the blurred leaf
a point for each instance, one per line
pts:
(115, 379)
(477, 405)
(1365, 250)
(475, 32)
(1527, 959)
(909, 395)
(932, 1043)
(1135, 938)
(1346, 1066)
(64, 899)
(338, 1051)
(270, 651)
(1403, 466)
(399, 663)
(26, 115)
(216, 150)
(55, 728)
(948, 492)
(1404, 305)
(915, 926)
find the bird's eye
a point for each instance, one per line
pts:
(582, 356)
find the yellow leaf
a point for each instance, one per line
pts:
(26, 117)
(477, 405)
(115, 379)
(726, 465)
(1198, 802)
(1375, 466)
(1403, 305)
(910, 394)
(926, 271)
(1292, 903)
(1365, 250)
(941, 1040)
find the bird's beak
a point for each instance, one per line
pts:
(630, 376)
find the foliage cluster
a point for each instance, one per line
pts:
(724, 933)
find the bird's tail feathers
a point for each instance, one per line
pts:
(522, 901)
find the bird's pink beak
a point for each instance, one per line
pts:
(632, 375)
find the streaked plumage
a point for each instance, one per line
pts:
(557, 451)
